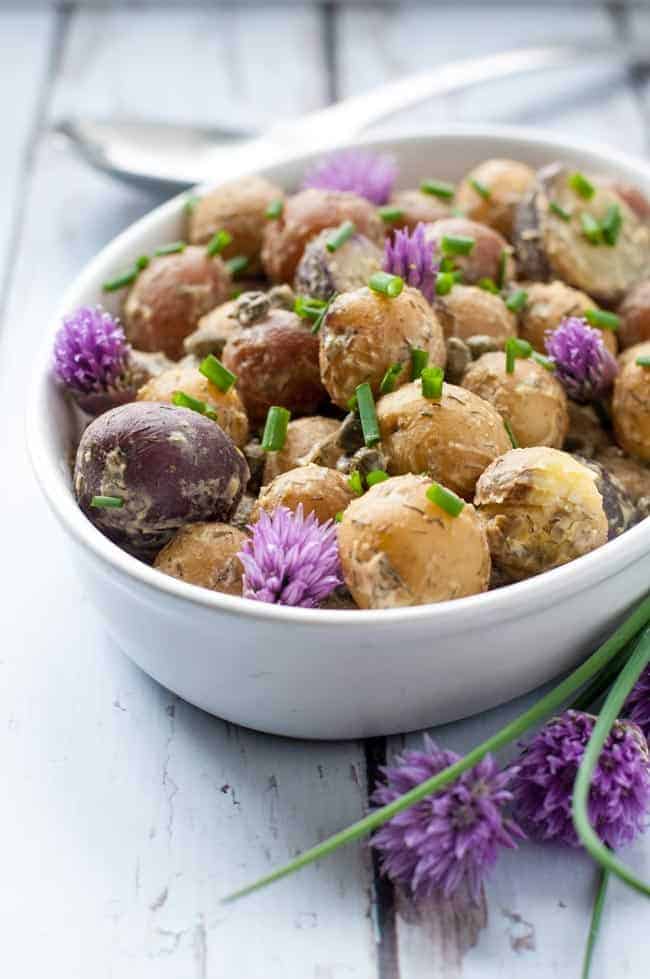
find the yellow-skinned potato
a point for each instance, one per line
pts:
(229, 407)
(530, 398)
(205, 554)
(631, 403)
(542, 508)
(547, 304)
(452, 439)
(398, 548)
(324, 492)
(468, 311)
(491, 192)
(303, 435)
(365, 333)
(417, 208)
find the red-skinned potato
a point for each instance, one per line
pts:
(491, 192)
(170, 296)
(484, 260)
(169, 467)
(276, 363)
(303, 217)
(205, 554)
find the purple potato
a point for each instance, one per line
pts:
(321, 272)
(169, 466)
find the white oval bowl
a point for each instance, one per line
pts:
(339, 674)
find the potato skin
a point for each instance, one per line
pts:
(321, 491)
(634, 312)
(364, 333)
(483, 260)
(631, 403)
(468, 311)
(506, 181)
(399, 549)
(205, 554)
(531, 399)
(170, 296)
(213, 331)
(453, 439)
(171, 466)
(321, 273)
(304, 215)
(541, 509)
(276, 363)
(237, 207)
(417, 208)
(634, 476)
(303, 435)
(547, 304)
(228, 405)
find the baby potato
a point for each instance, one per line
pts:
(276, 363)
(170, 296)
(484, 260)
(205, 554)
(231, 415)
(238, 207)
(417, 208)
(468, 311)
(452, 439)
(586, 435)
(491, 192)
(399, 549)
(364, 333)
(303, 437)
(631, 403)
(542, 508)
(166, 466)
(530, 399)
(634, 312)
(321, 273)
(547, 304)
(321, 491)
(306, 214)
(213, 331)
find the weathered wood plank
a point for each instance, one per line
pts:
(130, 813)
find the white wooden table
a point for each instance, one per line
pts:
(126, 814)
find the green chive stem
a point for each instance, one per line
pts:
(367, 414)
(582, 187)
(503, 265)
(445, 499)
(560, 211)
(419, 360)
(438, 188)
(480, 188)
(376, 476)
(546, 362)
(220, 240)
(432, 379)
(340, 236)
(516, 302)
(183, 400)
(591, 229)
(355, 483)
(237, 265)
(445, 282)
(488, 285)
(172, 248)
(387, 284)
(212, 368)
(275, 429)
(457, 244)
(511, 435)
(275, 209)
(611, 225)
(390, 214)
(126, 278)
(107, 502)
(594, 924)
(602, 320)
(390, 377)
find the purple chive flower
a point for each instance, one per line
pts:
(290, 559)
(91, 353)
(365, 174)
(451, 837)
(619, 800)
(410, 255)
(584, 365)
(637, 705)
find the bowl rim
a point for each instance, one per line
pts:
(501, 604)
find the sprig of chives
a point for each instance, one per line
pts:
(457, 244)
(212, 368)
(388, 381)
(376, 476)
(419, 360)
(171, 249)
(340, 236)
(237, 265)
(107, 502)
(559, 210)
(220, 240)
(438, 188)
(488, 285)
(387, 284)
(480, 189)
(591, 228)
(367, 414)
(355, 483)
(511, 435)
(275, 209)
(275, 429)
(183, 400)
(390, 214)
(601, 319)
(445, 499)
(533, 717)
(582, 187)
(516, 302)
(432, 380)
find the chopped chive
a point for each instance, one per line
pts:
(190, 203)
(127, 278)
(457, 244)
(611, 224)
(511, 435)
(388, 381)
(387, 284)
(275, 209)
(602, 319)
(643, 360)
(583, 187)
(220, 240)
(367, 414)
(457, 276)
(591, 228)
(432, 378)
(275, 429)
(438, 188)
(107, 502)
(351, 404)
(445, 282)
(488, 285)
(142, 262)
(171, 249)
(183, 400)
(338, 516)
(446, 265)
(503, 264)
(480, 189)
(445, 499)
(237, 265)
(419, 360)
(340, 236)
(376, 476)
(516, 348)
(354, 482)
(559, 210)
(220, 376)
(546, 362)
(390, 214)
(308, 308)
(517, 301)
